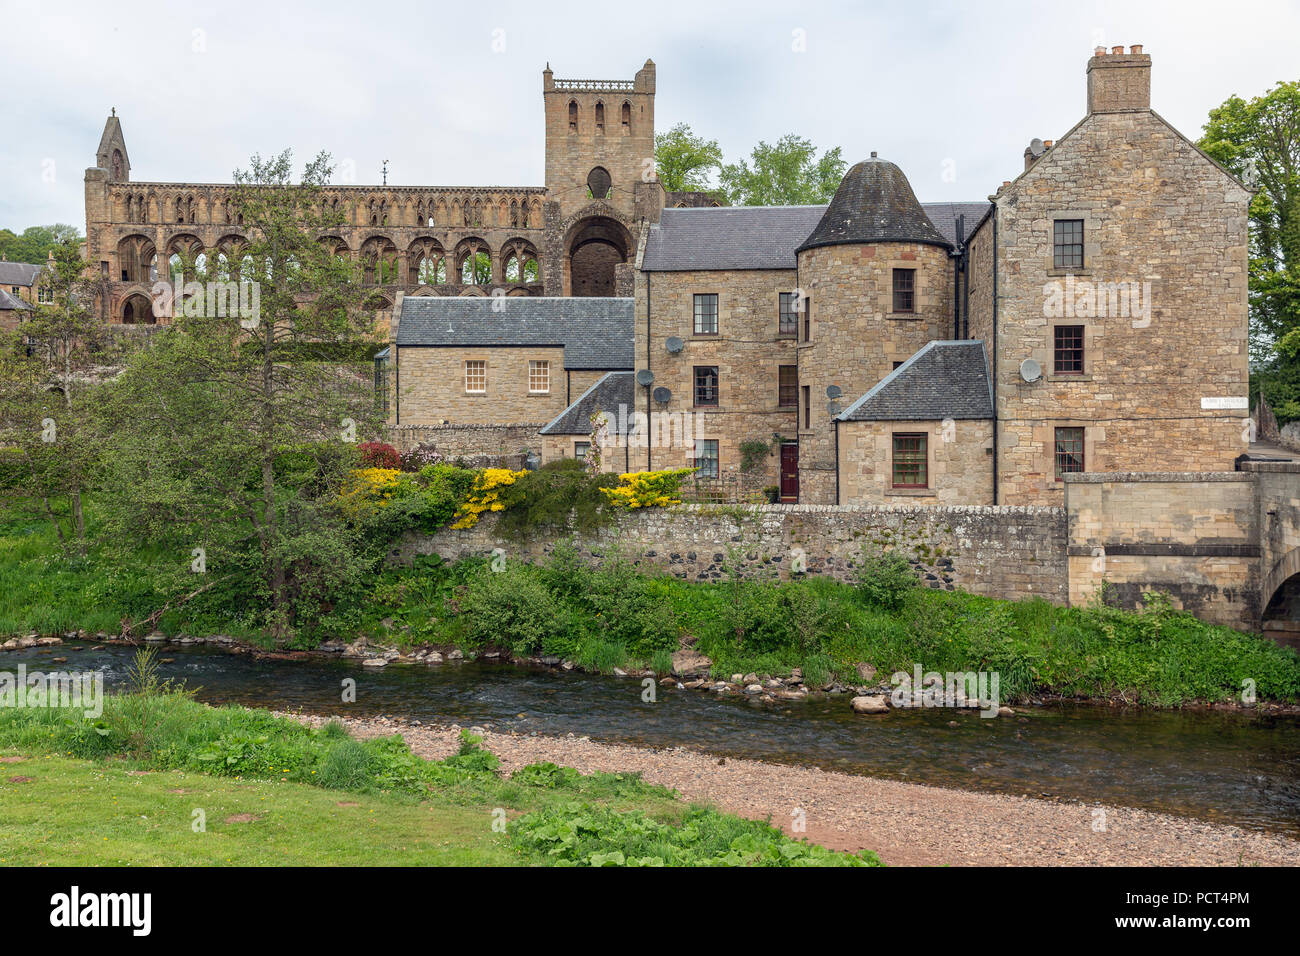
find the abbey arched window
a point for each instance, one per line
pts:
(573, 116)
(626, 116)
(600, 117)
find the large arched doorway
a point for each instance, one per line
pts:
(594, 248)
(137, 310)
(1280, 618)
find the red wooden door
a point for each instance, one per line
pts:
(789, 471)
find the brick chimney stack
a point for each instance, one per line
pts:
(1119, 81)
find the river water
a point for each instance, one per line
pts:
(1220, 767)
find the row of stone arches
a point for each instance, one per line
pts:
(424, 262)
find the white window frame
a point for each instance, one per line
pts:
(539, 369)
(480, 364)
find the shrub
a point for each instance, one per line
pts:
(375, 454)
(486, 495)
(368, 490)
(885, 579)
(648, 489)
(511, 607)
(422, 456)
(560, 497)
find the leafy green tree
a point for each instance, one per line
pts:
(1259, 141)
(684, 162)
(48, 382)
(231, 431)
(788, 173)
(36, 242)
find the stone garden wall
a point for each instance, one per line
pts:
(1005, 552)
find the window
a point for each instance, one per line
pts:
(787, 386)
(476, 376)
(898, 364)
(539, 377)
(1069, 451)
(573, 115)
(1067, 244)
(910, 469)
(807, 406)
(905, 290)
(706, 457)
(706, 385)
(807, 318)
(44, 294)
(788, 321)
(706, 314)
(1068, 355)
(580, 449)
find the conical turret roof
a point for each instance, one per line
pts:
(874, 203)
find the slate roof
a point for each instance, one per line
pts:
(11, 303)
(595, 333)
(761, 237)
(874, 203)
(609, 392)
(946, 379)
(19, 273)
(728, 237)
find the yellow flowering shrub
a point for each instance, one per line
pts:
(367, 490)
(647, 489)
(486, 495)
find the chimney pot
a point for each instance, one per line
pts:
(1100, 51)
(1047, 143)
(1117, 50)
(1006, 183)
(1135, 49)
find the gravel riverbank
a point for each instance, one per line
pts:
(906, 824)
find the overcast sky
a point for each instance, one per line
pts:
(450, 94)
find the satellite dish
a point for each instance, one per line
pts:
(1037, 147)
(662, 395)
(645, 377)
(675, 345)
(1030, 370)
(833, 391)
(833, 408)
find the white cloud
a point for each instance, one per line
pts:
(421, 86)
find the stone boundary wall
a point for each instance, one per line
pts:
(457, 440)
(999, 551)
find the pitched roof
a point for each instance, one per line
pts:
(761, 237)
(946, 379)
(728, 237)
(873, 203)
(11, 303)
(609, 392)
(595, 333)
(19, 273)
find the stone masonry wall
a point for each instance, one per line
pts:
(431, 385)
(1193, 536)
(748, 351)
(958, 459)
(1005, 552)
(467, 439)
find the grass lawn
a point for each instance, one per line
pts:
(93, 813)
